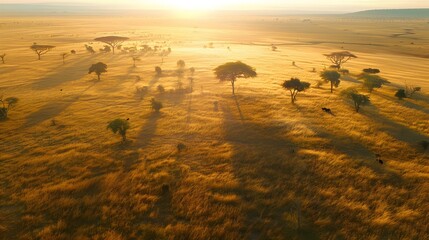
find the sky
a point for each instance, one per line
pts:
(301, 5)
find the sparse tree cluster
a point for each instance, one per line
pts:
(112, 41)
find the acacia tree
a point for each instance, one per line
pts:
(2, 57)
(331, 76)
(98, 69)
(112, 41)
(294, 85)
(7, 104)
(41, 49)
(231, 71)
(357, 98)
(119, 126)
(371, 81)
(339, 58)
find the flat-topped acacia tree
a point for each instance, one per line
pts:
(112, 41)
(2, 57)
(232, 70)
(41, 49)
(339, 58)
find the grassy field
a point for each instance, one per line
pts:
(254, 167)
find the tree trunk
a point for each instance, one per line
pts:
(332, 87)
(233, 87)
(357, 107)
(38, 54)
(124, 138)
(113, 49)
(98, 75)
(292, 97)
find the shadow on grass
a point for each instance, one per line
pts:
(63, 74)
(261, 155)
(147, 132)
(52, 109)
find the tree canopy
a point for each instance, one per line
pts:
(371, 81)
(294, 85)
(41, 49)
(232, 70)
(331, 76)
(112, 41)
(98, 69)
(339, 58)
(119, 126)
(357, 98)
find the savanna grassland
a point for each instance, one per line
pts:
(254, 166)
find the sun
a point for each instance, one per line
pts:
(195, 5)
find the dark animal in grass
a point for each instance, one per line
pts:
(380, 161)
(327, 110)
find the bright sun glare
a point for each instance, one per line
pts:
(194, 5)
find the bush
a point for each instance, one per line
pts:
(371, 70)
(161, 89)
(156, 105)
(181, 64)
(158, 71)
(141, 91)
(400, 94)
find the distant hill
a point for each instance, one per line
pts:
(394, 13)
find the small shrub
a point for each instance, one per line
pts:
(161, 89)
(400, 94)
(156, 105)
(141, 91)
(371, 70)
(181, 147)
(410, 90)
(158, 71)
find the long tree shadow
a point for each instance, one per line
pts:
(260, 157)
(63, 74)
(404, 102)
(290, 179)
(52, 109)
(147, 132)
(396, 130)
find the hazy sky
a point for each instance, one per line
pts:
(303, 5)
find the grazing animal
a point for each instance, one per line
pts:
(380, 161)
(128, 119)
(327, 110)
(61, 90)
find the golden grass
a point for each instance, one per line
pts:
(248, 166)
